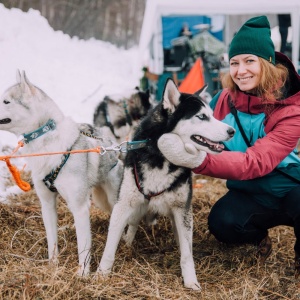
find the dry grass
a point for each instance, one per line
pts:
(149, 270)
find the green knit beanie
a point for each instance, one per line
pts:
(254, 37)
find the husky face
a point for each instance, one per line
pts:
(15, 108)
(191, 117)
(12, 109)
(139, 104)
(21, 107)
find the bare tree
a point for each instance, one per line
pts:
(115, 21)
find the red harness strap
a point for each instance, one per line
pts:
(150, 195)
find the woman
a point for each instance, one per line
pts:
(261, 168)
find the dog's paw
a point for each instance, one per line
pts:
(103, 273)
(83, 271)
(193, 285)
(127, 239)
(54, 261)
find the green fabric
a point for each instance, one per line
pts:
(254, 37)
(269, 189)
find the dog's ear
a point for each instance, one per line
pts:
(18, 76)
(203, 94)
(171, 96)
(26, 85)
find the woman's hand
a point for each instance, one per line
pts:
(180, 154)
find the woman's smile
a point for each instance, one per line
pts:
(245, 71)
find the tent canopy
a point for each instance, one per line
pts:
(150, 45)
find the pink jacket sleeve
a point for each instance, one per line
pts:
(260, 159)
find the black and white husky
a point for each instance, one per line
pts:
(152, 185)
(122, 113)
(26, 110)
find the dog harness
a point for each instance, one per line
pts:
(137, 145)
(107, 118)
(148, 196)
(128, 117)
(50, 178)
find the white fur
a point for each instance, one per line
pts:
(29, 108)
(131, 208)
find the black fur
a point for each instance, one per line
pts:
(157, 122)
(133, 108)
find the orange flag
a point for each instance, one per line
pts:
(194, 80)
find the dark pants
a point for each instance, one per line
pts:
(238, 218)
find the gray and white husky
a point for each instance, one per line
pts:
(120, 114)
(26, 110)
(152, 185)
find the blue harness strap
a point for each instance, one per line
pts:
(136, 144)
(50, 178)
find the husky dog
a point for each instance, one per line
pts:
(26, 110)
(152, 185)
(121, 114)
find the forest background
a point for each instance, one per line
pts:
(116, 21)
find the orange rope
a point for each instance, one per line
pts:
(97, 150)
(25, 186)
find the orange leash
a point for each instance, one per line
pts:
(97, 150)
(25, 186)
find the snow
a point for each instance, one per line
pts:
(76, 74)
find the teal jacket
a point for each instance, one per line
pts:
(273, 131)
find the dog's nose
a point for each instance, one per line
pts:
(231, 132)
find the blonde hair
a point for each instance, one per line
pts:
(272, 81)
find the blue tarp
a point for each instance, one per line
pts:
(172, 25)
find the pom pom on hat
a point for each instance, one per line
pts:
(254, 37)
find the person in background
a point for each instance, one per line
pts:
(284, 21)
(263, 173)
(185, 31)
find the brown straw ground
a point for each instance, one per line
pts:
(148, 270)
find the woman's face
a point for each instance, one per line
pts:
(245, 71)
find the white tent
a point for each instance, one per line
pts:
(151, 33)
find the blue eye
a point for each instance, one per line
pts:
(202, 117)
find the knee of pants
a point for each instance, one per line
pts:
(292, 203)
(222, 227)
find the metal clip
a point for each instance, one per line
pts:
(113, 148)
(102, 151)
(123, 147)
(21, 139)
